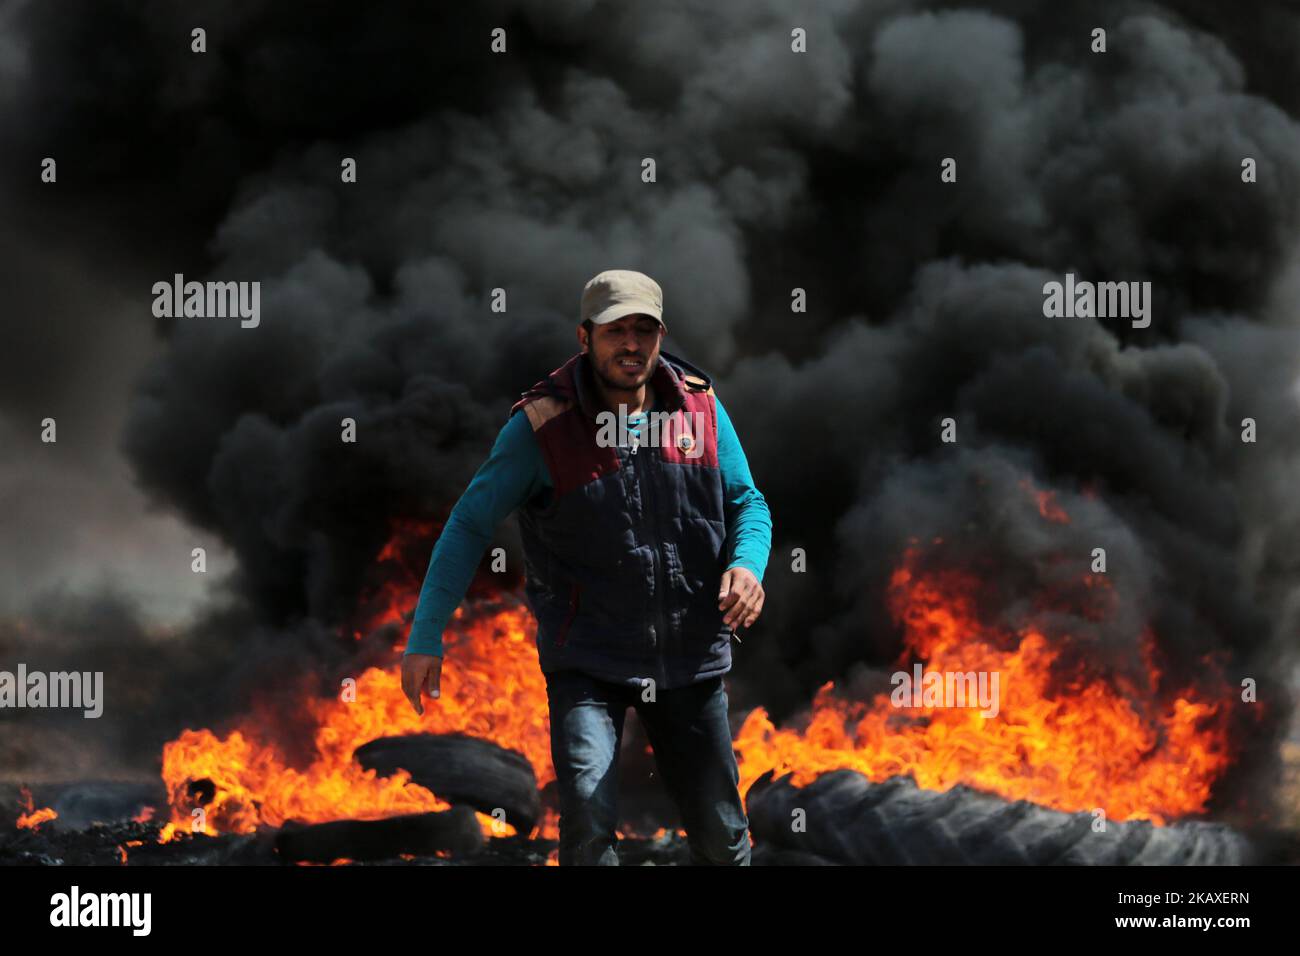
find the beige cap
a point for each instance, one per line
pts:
(615, 293)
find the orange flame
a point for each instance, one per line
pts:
(393, 601)
(1097, 743)
(1093, 744)
(32, 819)
(1047, 504)
(491, 688)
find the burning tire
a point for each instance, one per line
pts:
(461, 769)
(850, 820)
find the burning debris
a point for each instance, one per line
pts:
(1070, 743)
(455, 831)
(843, 818)
(461, 769)
(30, 818)
(455, 836)
(1067, 736)
(501, 702)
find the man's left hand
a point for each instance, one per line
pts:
(741, 596)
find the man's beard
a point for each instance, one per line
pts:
(649, 371)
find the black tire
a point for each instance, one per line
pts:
(852, 821)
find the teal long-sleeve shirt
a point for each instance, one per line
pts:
(513, 473)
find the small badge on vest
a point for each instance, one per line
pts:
(685, 442)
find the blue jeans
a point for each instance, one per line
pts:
(687, 728)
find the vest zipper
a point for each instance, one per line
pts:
(650, 524)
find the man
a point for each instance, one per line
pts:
(643, 552)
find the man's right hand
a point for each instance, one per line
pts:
(421, 672)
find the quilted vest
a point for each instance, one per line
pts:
(625, 554)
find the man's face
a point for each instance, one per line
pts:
(624, 353)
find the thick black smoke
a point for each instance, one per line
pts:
(775, 170)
